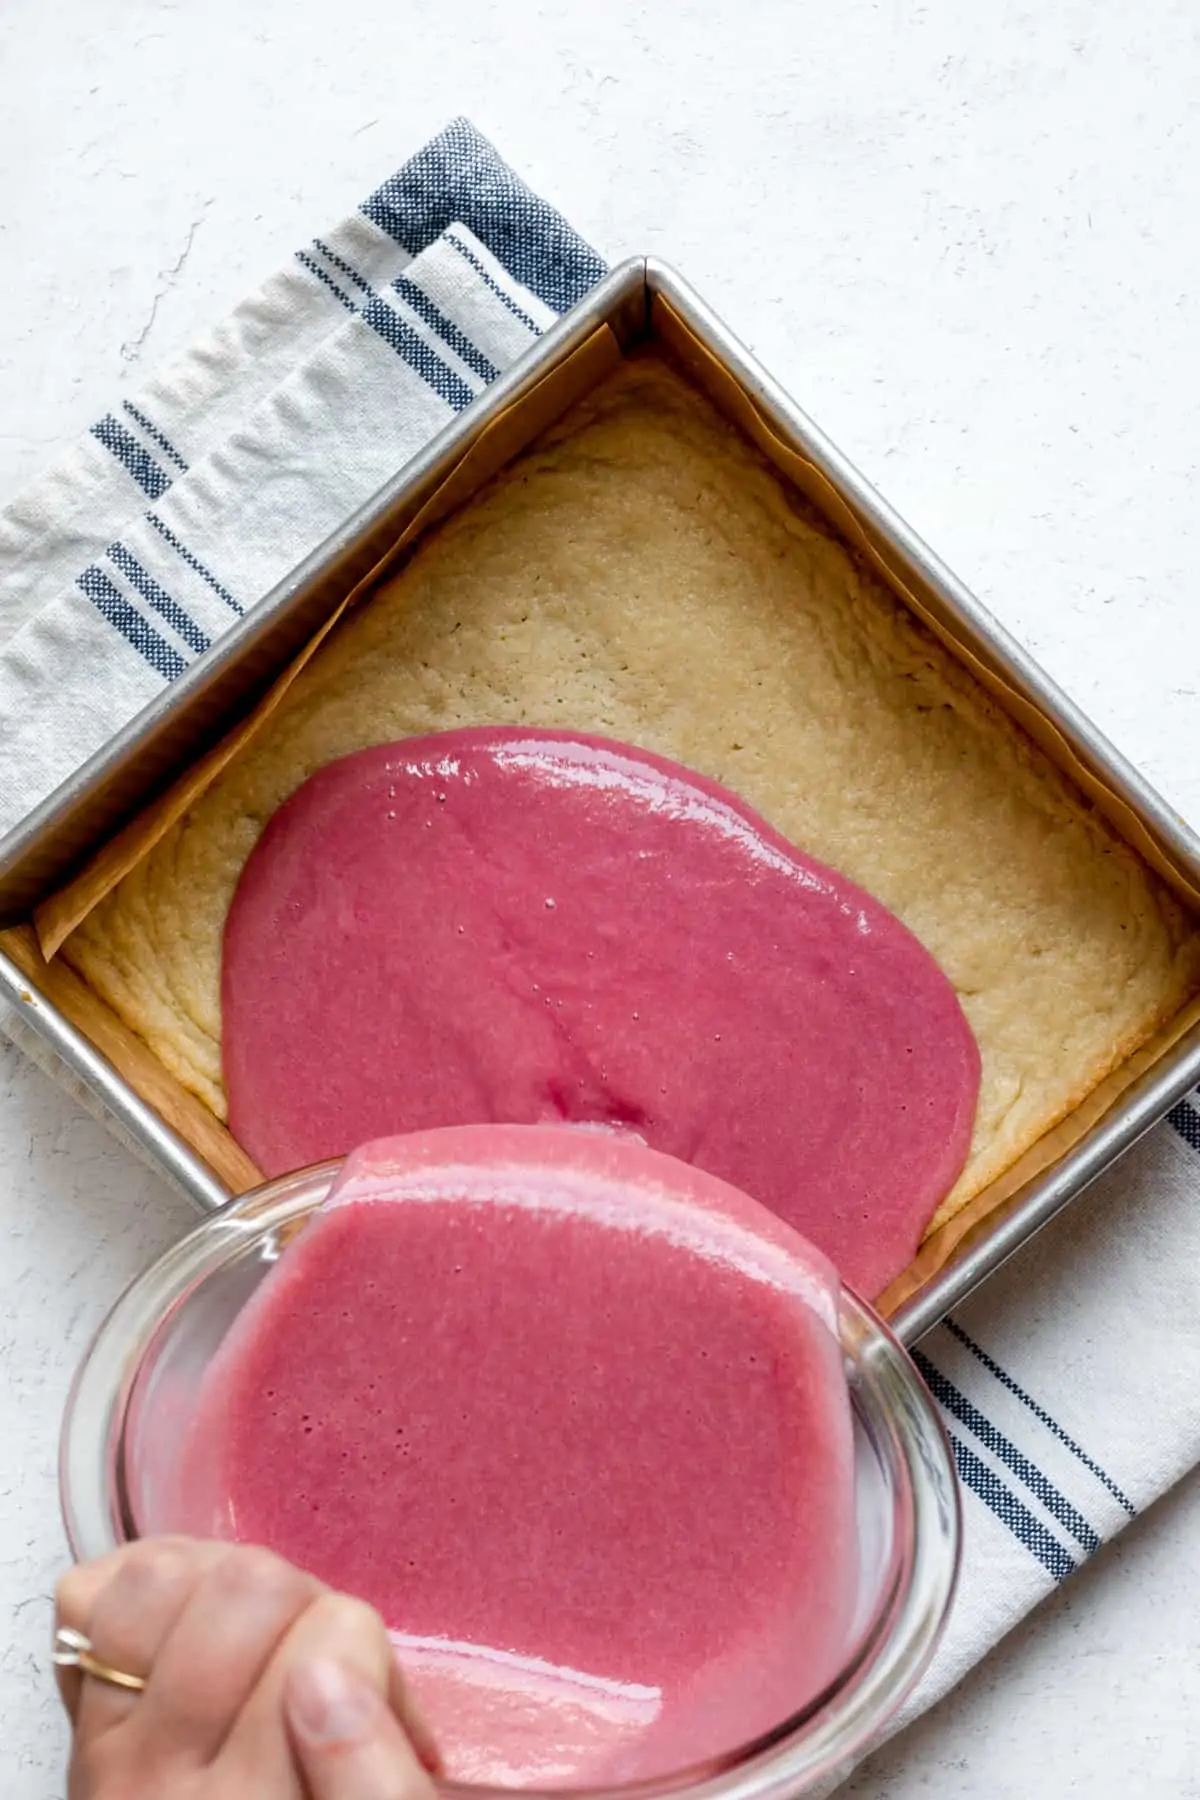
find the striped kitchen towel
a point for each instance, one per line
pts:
(1066, 1386)
(187, 503)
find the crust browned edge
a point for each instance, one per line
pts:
(132, 1059)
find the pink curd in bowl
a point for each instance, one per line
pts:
(654, 1627)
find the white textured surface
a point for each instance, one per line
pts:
(963, 235)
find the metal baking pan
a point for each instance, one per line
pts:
(641, 299)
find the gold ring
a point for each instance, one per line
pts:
(72, 1650)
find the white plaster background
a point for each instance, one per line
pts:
(963, 234)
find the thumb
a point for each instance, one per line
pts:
(347, 1741)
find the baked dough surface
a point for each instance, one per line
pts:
(642, 573)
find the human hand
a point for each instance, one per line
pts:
(260, 1683)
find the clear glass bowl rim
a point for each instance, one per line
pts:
(805, 1751)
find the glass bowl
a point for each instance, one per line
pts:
(133, 1396)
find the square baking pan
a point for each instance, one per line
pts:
(74, 846)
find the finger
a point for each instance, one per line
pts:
(218, 1647)
(74, 1597)
(147, 1588)
(335, 1628)
(81, 1586)
(403, 1703)
(348, 1741)
(74, 1601)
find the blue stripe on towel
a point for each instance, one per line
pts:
(323, 275)
(420, 303)
(469, 256)
(1028, 1531)
(953, 1401)
(1040, 1413)
(112, 604)
(416, 352)
(1186, 1123)
(193, 562)
(383, 319)
(344, 268)
(134, 458)
(158, 598)
(155, 435)
(460, 176)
